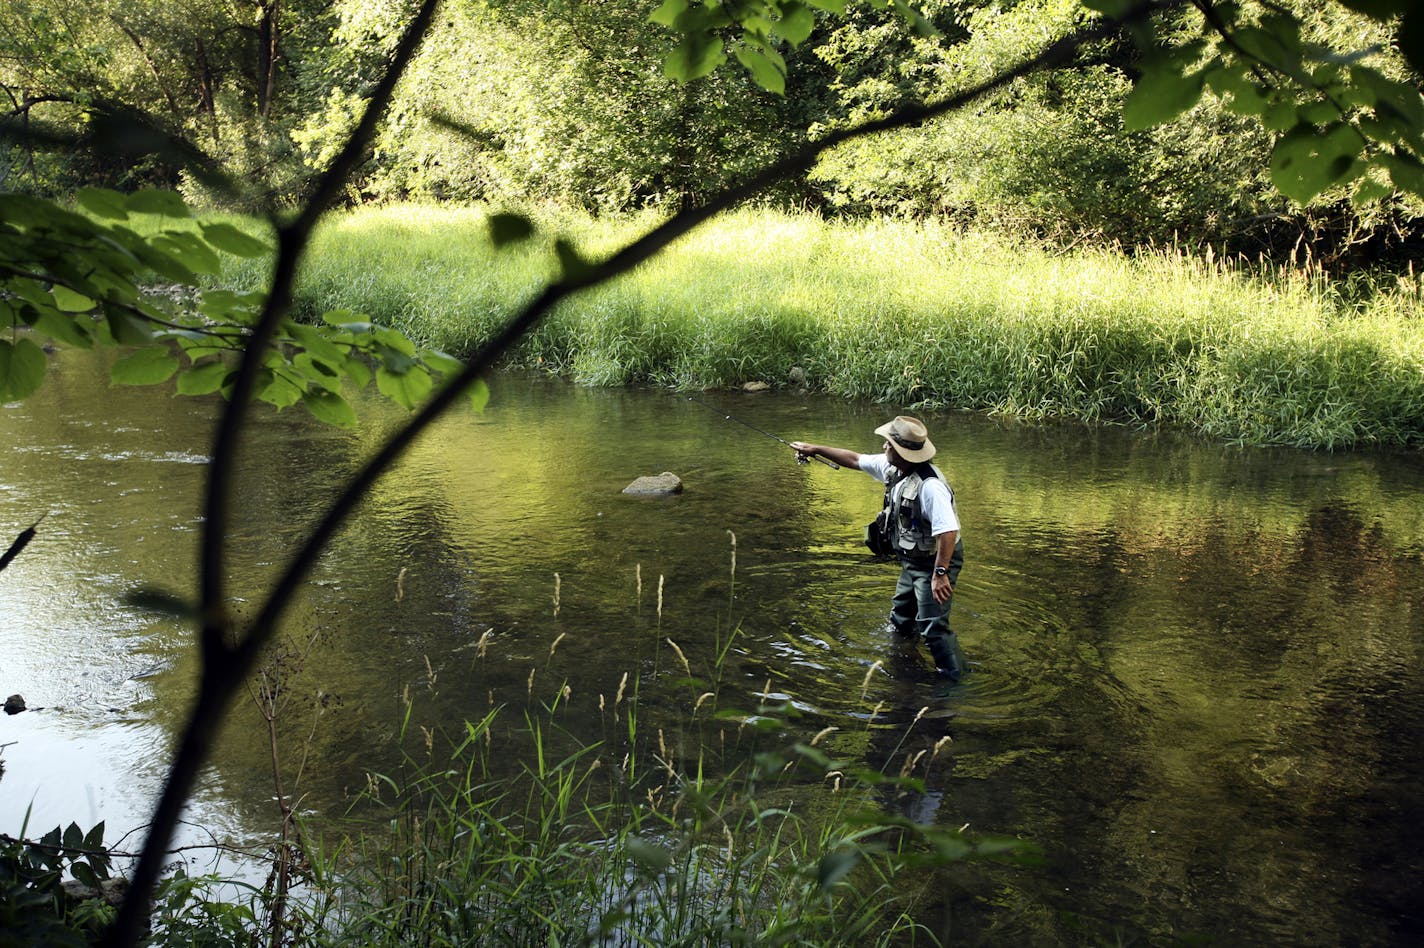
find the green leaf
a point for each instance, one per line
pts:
(189, 250)
(1280, 116)
(1160, 95)
(162, 203)
(94, 839)
(147, 366)
(1396, 103)
(164, 263)
(127, 329)
(834, 6)
(479, 396)
(667, 14)
(102, 202)
(85, 875)
(318, 372)
(396, 340)
(203, 379)
(796, 23)
(280, 390)
(696, 56)
(347, 321)
(764, 70)
(230, 239)
(917, 21)
(649, 856)
(1306, 160)
(31, 291)
(1368, 191)
(1323, 112)
(329, 408)
(441, 363)
(1406, 172)
(357, 371)
(65, 329)
(835, 866)
(318, 342)
(22, 369)
(508, 229)
(406, 389)
(69, 301)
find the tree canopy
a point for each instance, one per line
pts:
(1205, 121)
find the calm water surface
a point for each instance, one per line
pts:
(1198, 682)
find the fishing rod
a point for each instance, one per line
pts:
(800, 458)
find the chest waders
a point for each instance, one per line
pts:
(909, 537)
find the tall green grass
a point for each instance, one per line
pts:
(625, 843)
(916, 314)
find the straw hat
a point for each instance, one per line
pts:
(908, 435)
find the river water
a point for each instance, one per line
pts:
(1197, 682)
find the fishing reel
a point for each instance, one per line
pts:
(802, 459)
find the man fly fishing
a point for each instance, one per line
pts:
(919, 526)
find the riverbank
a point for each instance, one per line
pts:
(915, 314)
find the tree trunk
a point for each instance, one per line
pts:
(267, 55)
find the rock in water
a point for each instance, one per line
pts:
(665, 483)
(14, 704)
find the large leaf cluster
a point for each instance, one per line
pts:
(1335, 112)
(1340, 119)
(95, 279)
(34, 909)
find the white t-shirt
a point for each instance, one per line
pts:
(936, 502)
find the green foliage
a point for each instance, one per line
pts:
(224, 79)
(130, 275)
(756, 28)
(34, 909)
(186, 911)
(1345, 121)
(512, 101)
(1086, 152)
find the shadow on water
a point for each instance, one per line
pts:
(1197, 673)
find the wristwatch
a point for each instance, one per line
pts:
(941, 570)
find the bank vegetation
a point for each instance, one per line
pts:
(915, 314)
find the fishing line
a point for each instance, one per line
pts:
(800, 459)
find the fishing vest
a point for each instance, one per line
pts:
(908, 531)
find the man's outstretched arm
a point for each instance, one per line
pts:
(842, 456)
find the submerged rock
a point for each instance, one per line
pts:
(111, 891)
(665, 483)
(14, 704)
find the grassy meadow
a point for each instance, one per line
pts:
(913, 313)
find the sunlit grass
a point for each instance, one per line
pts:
(914, 314)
